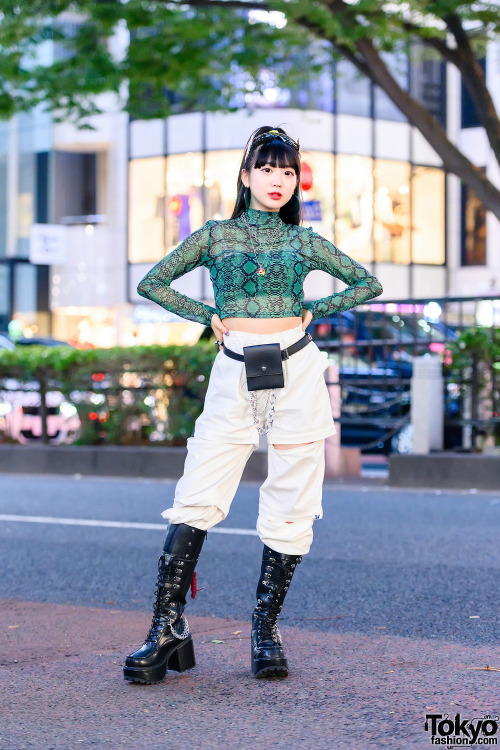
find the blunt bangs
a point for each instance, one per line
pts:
(277, 154)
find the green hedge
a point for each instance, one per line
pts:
(141, 395)
(475, 364)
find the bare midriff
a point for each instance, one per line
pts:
(261, 325)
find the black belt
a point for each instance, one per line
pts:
(285, 353)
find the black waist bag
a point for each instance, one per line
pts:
(263, 366)
(264, 362)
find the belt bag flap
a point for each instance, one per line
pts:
(263, 359)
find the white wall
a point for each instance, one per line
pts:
(184, 132)
(103, 255)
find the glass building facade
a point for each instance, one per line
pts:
(378, 210)
(23, 196)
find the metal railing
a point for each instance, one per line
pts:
(373, 347)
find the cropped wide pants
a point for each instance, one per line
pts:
(290, 499)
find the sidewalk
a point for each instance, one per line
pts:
(61, 672)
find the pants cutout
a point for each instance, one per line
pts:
(292, 491)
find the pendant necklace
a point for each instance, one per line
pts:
(272, 239)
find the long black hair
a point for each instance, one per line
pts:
(275, 152)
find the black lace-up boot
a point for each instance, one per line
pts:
(277, 570)
(169, 642)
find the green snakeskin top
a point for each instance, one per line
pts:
(226, 249)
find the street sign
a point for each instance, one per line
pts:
(48, 244)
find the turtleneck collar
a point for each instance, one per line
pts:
(262, 218)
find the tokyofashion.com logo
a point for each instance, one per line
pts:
(457, 732)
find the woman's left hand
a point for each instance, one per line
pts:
(306, 318)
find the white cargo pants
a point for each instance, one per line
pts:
(290, 499)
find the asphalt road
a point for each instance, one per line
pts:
(394, 614)
(417, 563)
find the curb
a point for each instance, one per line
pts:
(110, 460)
(445, 471)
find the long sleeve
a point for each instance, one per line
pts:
(361, 285)
(156, 283)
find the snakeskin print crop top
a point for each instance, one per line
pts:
(226, 249)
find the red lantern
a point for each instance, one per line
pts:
(306, 177)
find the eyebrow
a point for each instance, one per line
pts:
(270, 165)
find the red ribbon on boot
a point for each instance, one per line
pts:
(194, 586)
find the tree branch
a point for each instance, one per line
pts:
(238, 4)
(453, 159)
(434, 42)
(465, 61)
(344, 50)
(475, 82)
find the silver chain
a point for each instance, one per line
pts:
(185, 629)
(271, 396)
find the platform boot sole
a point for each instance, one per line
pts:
(179, 659)
(268, 668)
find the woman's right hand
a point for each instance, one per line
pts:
(218, 327)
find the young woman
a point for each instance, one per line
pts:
(258, 260)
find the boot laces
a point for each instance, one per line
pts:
(161, 617)
(269, 629)
(159, 622)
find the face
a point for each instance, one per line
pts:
(270, 187)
